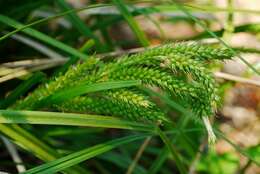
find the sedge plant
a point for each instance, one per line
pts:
(180, 69)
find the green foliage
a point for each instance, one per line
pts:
(179, 69)
(75, 158)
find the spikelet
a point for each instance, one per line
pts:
(72, 77)
(126, 104)
(194, 51)
(203, 52)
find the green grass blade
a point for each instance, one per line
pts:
(237, 148)
(37, 46)
(67, 94)
(164, 153)
(34, 145)
(72, 119)
(148, 10)
(21, 28)
(43, 37)
(80, 156)
(229, 28)
(131, 22)
(79, 24)
(212, 9)
(158, 162)
(183, 9)
(22, 89)
(253, 28)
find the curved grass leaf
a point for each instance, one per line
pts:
(72, 119)
(26, 140)
(43, 37)
(23, 27)
(80, 156)
(67, 94)
(148, 10)
(79, 24)
(132, 23)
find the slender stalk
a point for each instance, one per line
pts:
(229, 22)
(183, 9)
(173, 150)
(14, 154)
(236, 78)
(132, 23)
(138, 155)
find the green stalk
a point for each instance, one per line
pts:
(132, 23)
(173, 150)
(229, 29)
(79, 24)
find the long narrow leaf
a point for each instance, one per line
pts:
(132, 23)
(34, 145)
(43, 37)
(83, 89)
(56, 118)
(77, 157)
(78, 23)
(51, 17)
(175, 154)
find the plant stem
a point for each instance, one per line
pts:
(173, 151)
(138, 155)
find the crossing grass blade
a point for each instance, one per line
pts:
(184, 10)
(164, 152)
(21, 28)
(59, 71)
(80, 156)
(79, 24)
(237, 148)
(132, 23)
(41, 36)
(148, 10)
(175, 154)
(32, 144)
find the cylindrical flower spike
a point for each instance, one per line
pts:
(180, 69)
